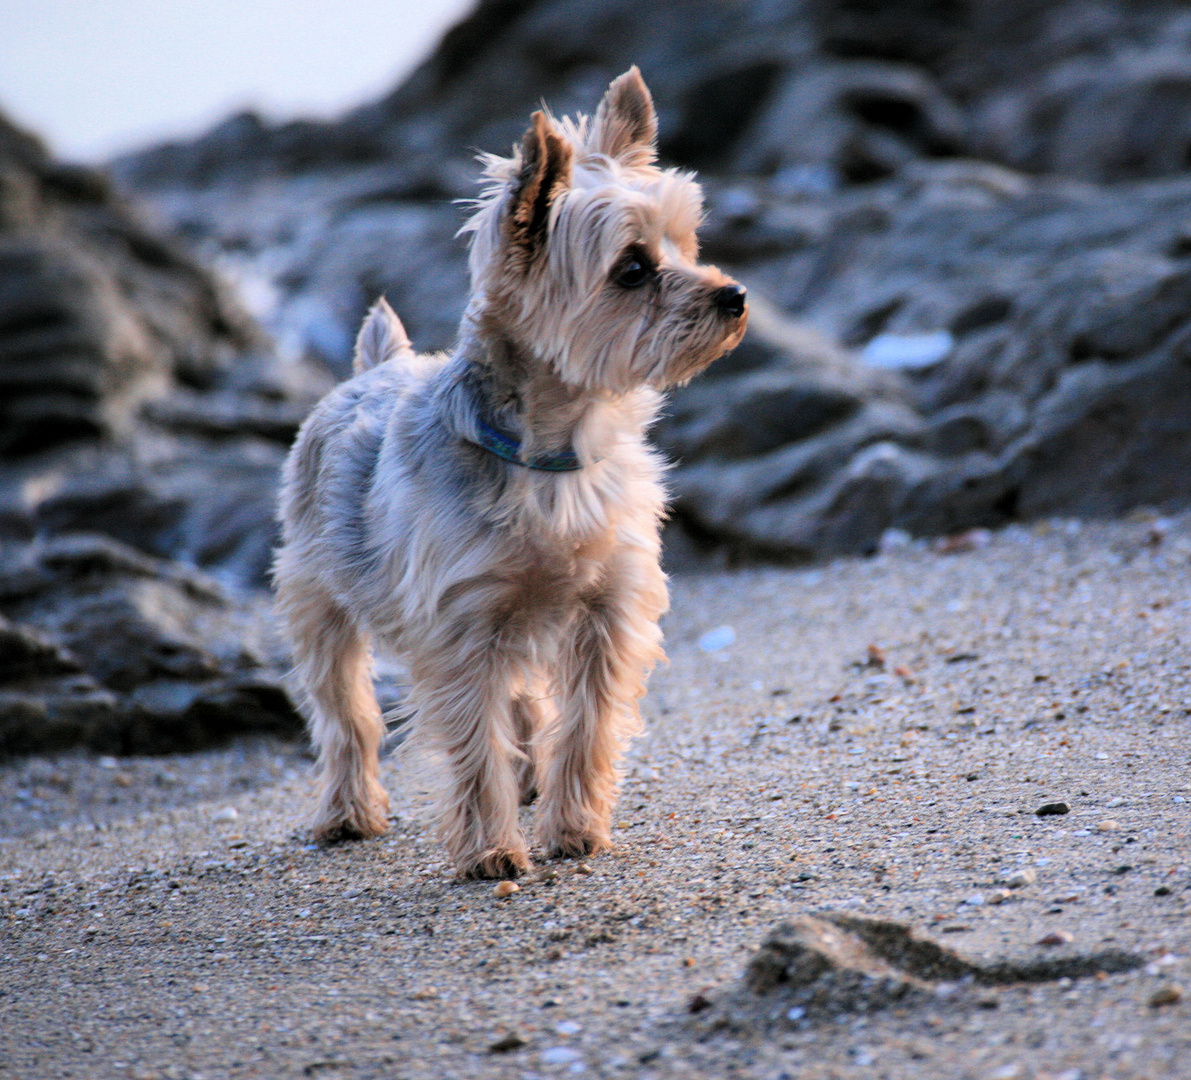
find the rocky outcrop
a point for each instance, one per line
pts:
(107, 648)
(963, 224)
(1060, 317)
(959, 322)
(143, 420)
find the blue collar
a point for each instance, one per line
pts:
(506, 446)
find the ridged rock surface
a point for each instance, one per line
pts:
(999, 184)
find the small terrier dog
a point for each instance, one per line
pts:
(492, 516)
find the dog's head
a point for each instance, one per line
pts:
(584, 253)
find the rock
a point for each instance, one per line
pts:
(962, 227)
(1019, 879)
(992, 342)
(111, 649)
(717, 640)
(512, 1041)
(1056, 937)
(144, 416)
(1171, 994)
(1052, 809)
(815, 968)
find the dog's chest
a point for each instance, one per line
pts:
(556, 575)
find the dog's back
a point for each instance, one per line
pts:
(330, 471)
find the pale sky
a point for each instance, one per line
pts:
(95, 77)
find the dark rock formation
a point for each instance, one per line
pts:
(143, 419)
(107, 648)
(838, 141)
(966, 226)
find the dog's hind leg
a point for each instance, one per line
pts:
(346, 728)
(529, 718)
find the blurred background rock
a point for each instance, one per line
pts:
(966, 225)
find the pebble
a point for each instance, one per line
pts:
(583, 868)
(228, 813)
(568, 1027)
(1168, 995)
(505, 889)
(907, 351)
(1108, 826)
(1006, 1072)
(1056, 937)
(999, 896)
(1051, 809)
(560, 1055)
(975, 900)
(511, 1041)
(719, 638)
(1021, 878)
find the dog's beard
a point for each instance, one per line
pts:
(614, 343)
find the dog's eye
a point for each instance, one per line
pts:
(635, 270)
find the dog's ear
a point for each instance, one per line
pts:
(546, 159)
(626, 126)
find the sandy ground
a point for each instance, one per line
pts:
(168, 918)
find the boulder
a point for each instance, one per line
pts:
(104, 647)
(144, 417)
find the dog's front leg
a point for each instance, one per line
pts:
(467, 710)
(613, 644)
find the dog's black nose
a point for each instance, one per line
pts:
(730, 299)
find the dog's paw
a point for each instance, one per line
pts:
(497, 865)
(573, 845)
(338, 823)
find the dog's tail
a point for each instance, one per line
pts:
(381, 338)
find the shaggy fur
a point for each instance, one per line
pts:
(524, 602)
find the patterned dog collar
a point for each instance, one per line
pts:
(505, 446)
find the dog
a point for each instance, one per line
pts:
(491, 516)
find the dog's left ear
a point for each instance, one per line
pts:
(546, 159)
(626, 125)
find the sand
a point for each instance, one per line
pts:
(872, 737)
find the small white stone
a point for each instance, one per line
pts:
(568, 1027)
(560, 1055)
(894, 540)
(228, 813)
(1006, 1072)
(907, 351)
(1019, 879)
(719, 638)
(975, 900)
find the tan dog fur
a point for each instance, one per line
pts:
(524, 602)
